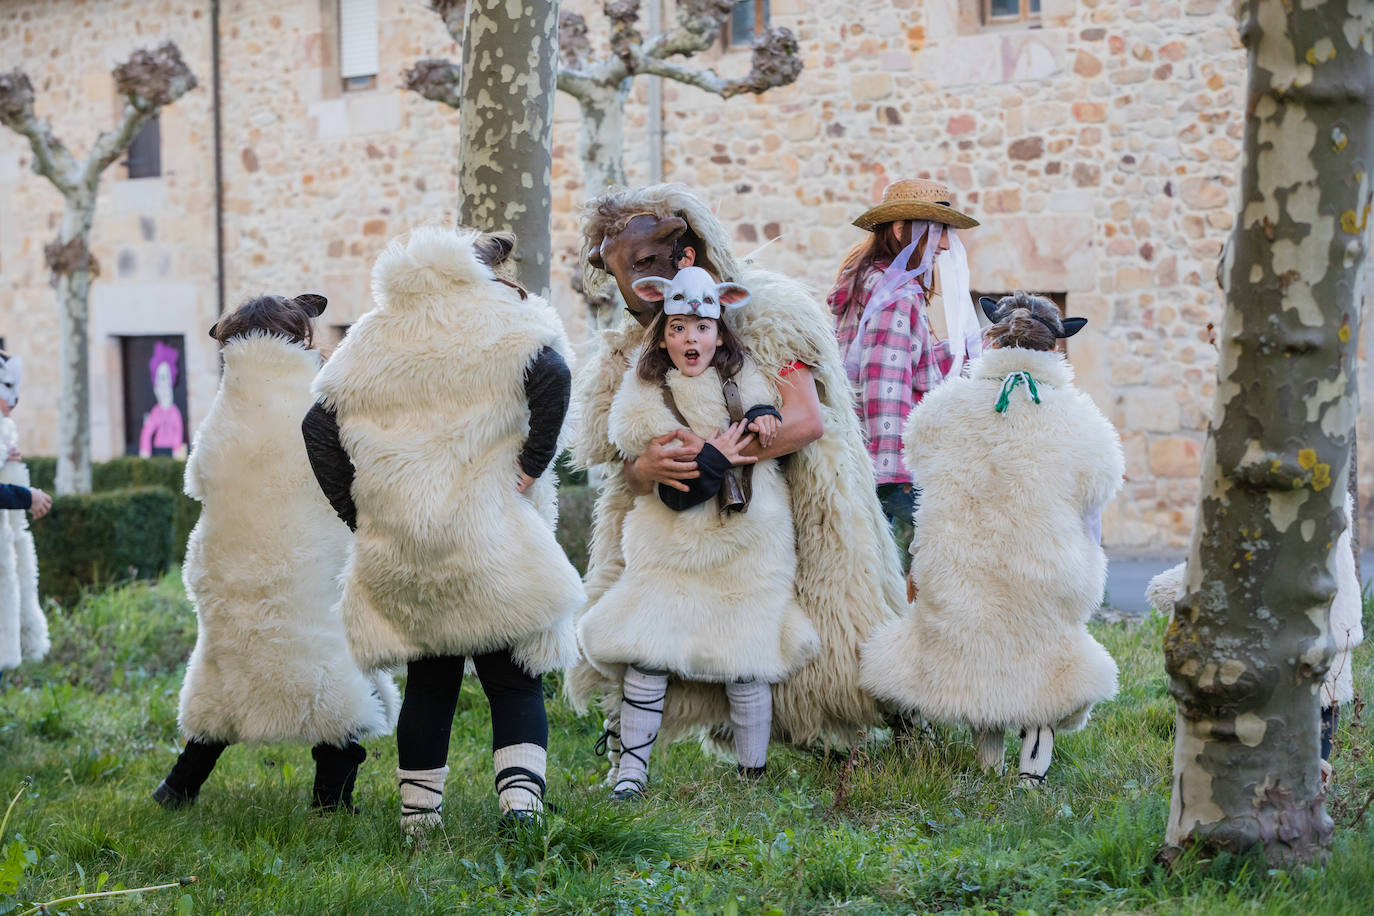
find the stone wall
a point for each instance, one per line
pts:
(1100, 152)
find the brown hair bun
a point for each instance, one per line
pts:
(1023, 320)
(276, 315)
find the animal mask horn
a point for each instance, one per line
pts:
(313, 303)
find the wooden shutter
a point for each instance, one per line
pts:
(357, 38)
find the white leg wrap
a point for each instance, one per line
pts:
(422, 798)
(520, 777)
(990, 748)
(751, 715)
(641, 714)
(1037, 747)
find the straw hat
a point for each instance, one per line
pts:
(916, 198)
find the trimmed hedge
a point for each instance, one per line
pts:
(575, 523)
(98, 538)
(122, 473)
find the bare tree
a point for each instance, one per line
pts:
(149, 81)
(1250, 639)
(602, 86)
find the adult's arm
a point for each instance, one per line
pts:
(330, 462)
(802, 421)
(13, 496)
(665, 464)
(548, 385)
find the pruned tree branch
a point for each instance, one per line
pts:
(149, 81)
(698, 25)
(436, 79)
(51, 159)
(775, 63)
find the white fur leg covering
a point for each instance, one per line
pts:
(1037, 747)
(990, 748)
(520, 777)
(422, 798)
(751, 716)
(641, 714)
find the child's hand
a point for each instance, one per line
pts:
(766, 427)
(911, 586)
(730, 441)
(523, 481)
(14, 454)
(42, 502)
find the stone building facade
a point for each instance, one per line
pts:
(1098, 144)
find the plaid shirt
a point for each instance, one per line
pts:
(899, 362)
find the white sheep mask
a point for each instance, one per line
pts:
(692, 292)
(11, 373)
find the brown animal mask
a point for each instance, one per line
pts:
(643, 248)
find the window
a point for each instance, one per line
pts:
(153, 370)
(144, 159)
(747, 21)
(1010, 12)
(358, 44)
(1059, 299)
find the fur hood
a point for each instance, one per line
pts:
(262, 565)
(428, 389)
(1007, 571)
(23, 628)
(845, 586)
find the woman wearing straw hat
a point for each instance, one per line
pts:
(879, 305)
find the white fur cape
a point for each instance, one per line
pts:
(1007, 571)
(262, 565)
(428, 388)
(848, 578)
(23, 628)
(706, 595)
(1347, 610)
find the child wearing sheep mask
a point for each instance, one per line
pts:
(707, 594)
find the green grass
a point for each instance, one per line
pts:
(918, 829)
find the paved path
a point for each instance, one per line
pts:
(1128, 576)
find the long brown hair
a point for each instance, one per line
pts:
(655, 362)
(1025, 321)
(881, 247)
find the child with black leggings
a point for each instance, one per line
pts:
(438, 417)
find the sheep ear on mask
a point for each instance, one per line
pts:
(731, 295)
(989, 307)
(1072, 326)
(313, 303)
(652, 289)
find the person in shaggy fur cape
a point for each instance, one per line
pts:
(262, 565)
(707, 592)
(1011, 459)
(437, 418)
(23, 628)
(848, 572)
(1345, 622)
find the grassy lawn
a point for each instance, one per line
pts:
(918, 829)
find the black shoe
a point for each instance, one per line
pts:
(171, 798)
(752, 773)
(630, 792)
(517, 823)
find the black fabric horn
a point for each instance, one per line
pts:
(989, 306)
(214, 331)
(313, 303)
(1072, 326)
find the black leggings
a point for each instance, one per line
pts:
(432, 684)
(336, 768)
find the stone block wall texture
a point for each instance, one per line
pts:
(1101, 152)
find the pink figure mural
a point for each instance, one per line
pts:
(164, 432)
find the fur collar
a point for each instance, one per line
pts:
(260, 358)
(1046, 366)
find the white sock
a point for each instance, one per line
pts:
(751, 715)
(989, 747)
(520, 777)
(641, 714)
(422, 798)
(1037, 746)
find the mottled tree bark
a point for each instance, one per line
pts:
(1250, 639)
(148, 81)
(505, 179)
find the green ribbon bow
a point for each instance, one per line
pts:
(1009, 385)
